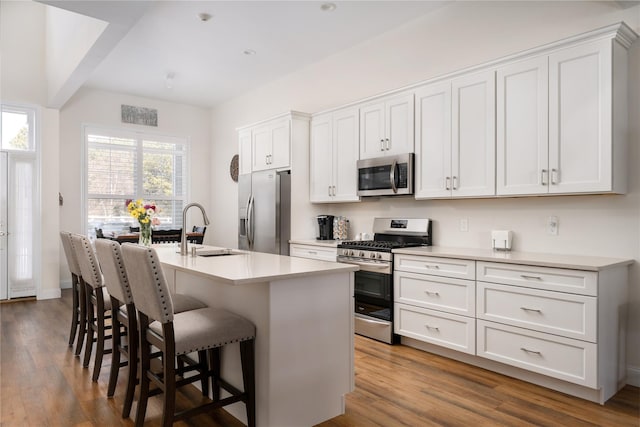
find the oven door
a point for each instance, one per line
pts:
(373, 289)
(385, 176)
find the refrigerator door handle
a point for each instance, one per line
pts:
(249, 218)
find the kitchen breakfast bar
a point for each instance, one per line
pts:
(303, 312)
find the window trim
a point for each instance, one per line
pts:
(140, 136)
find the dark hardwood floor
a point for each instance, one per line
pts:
(43, 384)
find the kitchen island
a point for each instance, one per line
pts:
(303, 312)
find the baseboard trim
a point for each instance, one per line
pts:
(49, 294)
(65, 284)
(633, 375)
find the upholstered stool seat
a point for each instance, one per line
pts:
(206, 328)
(182, 302)
(204, 331)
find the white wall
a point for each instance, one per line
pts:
(451, 38)
(101, 108)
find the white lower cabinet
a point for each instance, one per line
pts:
(559, 357)
(562, 324)
(322, 253)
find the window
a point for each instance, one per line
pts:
(126, 165)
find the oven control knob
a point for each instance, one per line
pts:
(379, 256)
(361, 254)
(372, 255)
(350, 253)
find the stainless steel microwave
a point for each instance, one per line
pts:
(386, 176)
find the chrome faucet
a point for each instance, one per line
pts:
(183, 238)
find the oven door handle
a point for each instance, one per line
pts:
(364, 263)
(368, 319)
(392, 176)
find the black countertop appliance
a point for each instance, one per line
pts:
(325, 227)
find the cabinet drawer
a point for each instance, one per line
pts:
(314, 252)
(448, 267)
(552, 279)
(436, 327)
(455, 296)
(564, 358)
(569, 315)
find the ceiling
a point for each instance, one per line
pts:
(207, 59)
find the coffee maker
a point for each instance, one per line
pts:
(325, 227)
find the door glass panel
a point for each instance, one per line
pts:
(3, 225)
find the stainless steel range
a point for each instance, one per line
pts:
(373, 290)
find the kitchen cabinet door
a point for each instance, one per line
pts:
(522, 128)
(580, 118)
(260, 148)
(399, 137)
(345, 155)
(433, 141)
(321, 159)
(280, 144)
(473, 135)
(372, 131)
(244, 148)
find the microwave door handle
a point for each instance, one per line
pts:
(392, 176)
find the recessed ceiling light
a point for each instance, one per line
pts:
(204, 17)
(249, 52)
(328, 7)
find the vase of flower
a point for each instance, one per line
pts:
(146, 216)
(145, 234)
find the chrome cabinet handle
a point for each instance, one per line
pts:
(525, 276)
(432, 293)
(333, 190)
(543, 177)
(526, 350)
(388, 144)
(434, 266)
(312, 253)
(382, 144)
(537, 310)
(2, 233)
(554, 177)
(432, 328)
(447, 183)
(455, 182)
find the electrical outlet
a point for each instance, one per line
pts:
(553, 225)
(464, 225)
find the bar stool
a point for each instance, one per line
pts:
(98, 303)
(123, 318)
(79, 316)
(178, 334)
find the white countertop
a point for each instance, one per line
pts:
(574, 262)
(315, 242)
(246, 267)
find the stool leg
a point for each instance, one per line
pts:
(247, 358)
(143, 367)
(115, 348)
(132, 341)
(82, 300)
(97, 363)
(204, 370)
(88, 343)
(169, 370)
(214, 365)
(75, 309)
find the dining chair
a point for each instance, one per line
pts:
(205, 329)
(123, 315)
(78, 315)
(166, 236)
(198, 240)
(98, 303)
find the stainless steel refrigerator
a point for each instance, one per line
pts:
(264, 200)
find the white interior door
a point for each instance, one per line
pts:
(3, 226)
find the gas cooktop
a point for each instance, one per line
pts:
(372, 245)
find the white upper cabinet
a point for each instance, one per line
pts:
(270, 145)
(244, 140)
(433, 141)
(473, 135)
(561, 120)
(386, 127)
(333, 157)
(522, 128)
(455, 138)
(581, 147)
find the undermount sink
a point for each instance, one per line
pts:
(218, 252)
